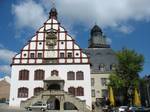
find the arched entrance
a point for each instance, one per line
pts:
(53, 104)
(54, 87)
(69, 106)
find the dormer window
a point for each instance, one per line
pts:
(102, 67)
(112, 67)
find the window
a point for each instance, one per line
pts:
(22, 92)
(71, 90)
(92, 81)
(54, 72)
(79, 75)
(104, 92)
(112, 67)
(39, 55)
(71, 75)
(102, 67)
(93, 93)
(80, 91)
(69, 55)
(62, 55)
(104, 81)
(37, 90)
(31, 55)
(39, 75)
(24, 75)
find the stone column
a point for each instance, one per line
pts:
(61, 104)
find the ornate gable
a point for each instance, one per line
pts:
(51, 45)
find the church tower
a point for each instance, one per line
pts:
(102, 62)
(97, 39)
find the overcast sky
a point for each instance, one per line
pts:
(126, 23)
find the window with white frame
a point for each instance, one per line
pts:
(93, 93)
(103, 81)
(92, 81)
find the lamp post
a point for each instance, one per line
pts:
(130, 93)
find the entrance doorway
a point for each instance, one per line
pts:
(53, 104)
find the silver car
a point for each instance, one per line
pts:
(37, 105)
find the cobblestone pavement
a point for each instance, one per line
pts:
(6, 108)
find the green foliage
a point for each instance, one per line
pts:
(126, 75)
(130, 64)
(116, 81)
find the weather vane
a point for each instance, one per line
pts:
(53, 3)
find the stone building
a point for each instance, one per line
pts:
(145, 91)
(102, 62)
(4, 89)
(51, 68)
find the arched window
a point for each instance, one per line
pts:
(71, 75)
(23, 75)
(80, 91)
(37, 90)
(54, 72)
(22, 92)
(79, 75)
(39, 75)
(102, 67)
(71, 90)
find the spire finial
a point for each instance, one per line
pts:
(53, 3)
(53, 12)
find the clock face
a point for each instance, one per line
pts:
(51, 39)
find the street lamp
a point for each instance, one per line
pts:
(130, 93)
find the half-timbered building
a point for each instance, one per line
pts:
(51, 60)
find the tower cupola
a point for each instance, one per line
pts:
(96, 30)
(53, 13)
(97, 38)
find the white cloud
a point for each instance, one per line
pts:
(108, 40)
(126, 29)
(5, 69)
(28, 14)
(106, 13)
(6, 55)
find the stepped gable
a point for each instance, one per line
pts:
(51, 45)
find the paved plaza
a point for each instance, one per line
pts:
(6, 108)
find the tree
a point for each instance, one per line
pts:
(126, 75)
(130, 64)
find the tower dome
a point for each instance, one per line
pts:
(97, 39)
(96, 29)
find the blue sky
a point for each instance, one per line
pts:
(125, 23)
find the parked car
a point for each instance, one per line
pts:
(132, 109)
(122, 108)
(7, 101)
(37, 105)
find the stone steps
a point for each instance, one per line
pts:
(80, 104)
